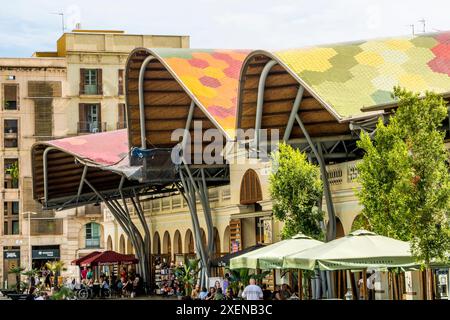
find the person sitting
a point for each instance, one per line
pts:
(267, 294)
(229, 294)
(276, 294)
(104, 287)
(285, 291)
(203, 294)
(219, 295)
(211, 294)
(196, 292)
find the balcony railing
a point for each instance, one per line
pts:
(343, 175)
(91, 127)
(121, 125)
(93, 243)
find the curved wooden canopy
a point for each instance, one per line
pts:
(174, 78)
(105, 154)
(281, 88)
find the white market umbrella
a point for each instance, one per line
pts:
(271, 256)
(358, 250)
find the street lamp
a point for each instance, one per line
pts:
(29, 213)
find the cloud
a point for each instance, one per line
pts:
(269, 24)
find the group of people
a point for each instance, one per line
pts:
(250, 292)
(126, 284)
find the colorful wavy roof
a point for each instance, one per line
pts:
(352, 76)
(211, 76)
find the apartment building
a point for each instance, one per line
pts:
(75, 90)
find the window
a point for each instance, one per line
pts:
(91, 81)
(11, 172)
(122, 116)
(90, 118)
(121, 82)
(10, 133)
(10, 96)
(92, 235)
(11, 218)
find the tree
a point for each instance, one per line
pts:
(404, 176)
(296, 188)
(17, 271)
(55, 267)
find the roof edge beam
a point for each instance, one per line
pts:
(44, 163)
(260, 99)
(141, 100)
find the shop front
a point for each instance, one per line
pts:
(42, 254)
(11, 259)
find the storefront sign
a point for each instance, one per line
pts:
(11, 254)
(45, 254)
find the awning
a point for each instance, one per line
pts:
(109, 257)
(225, 260)
(88, 256)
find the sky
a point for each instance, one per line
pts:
(26, 27)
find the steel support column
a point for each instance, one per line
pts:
(331, 230)
(294, 111)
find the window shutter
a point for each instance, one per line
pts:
(18, 97)
(99, 81)
(121, 82)
(250, 188)
(82, 71)
(100, 124)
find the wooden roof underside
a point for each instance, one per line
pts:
(279, 95)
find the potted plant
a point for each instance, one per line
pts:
(17, 271)
(55, 267)
(241, 277)
(30, 274)
(187, 276)
(13, 171)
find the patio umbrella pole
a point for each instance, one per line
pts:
(300, 284)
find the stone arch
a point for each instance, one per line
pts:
(250, 191)
(156, 243)
(122, 244)
(130, 249)
(339, 229)
(109, 244)
(177, 244)
(226, 240)
(203, 237)
(189, 242)
(167, 246)
(360, 222)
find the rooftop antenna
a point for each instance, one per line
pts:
(423, 24)
(62, 19)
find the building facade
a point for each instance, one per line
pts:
(76, 90)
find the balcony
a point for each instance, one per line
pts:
(93, 243)
(86, 127)
(121, 125)
(343, 175)
(43, 227)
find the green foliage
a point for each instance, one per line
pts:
(13, 170)
(56, 267)
(296, 188)
(17, 271)
(241, 277)
(405, 176)
(63, 293)
(187, 275)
